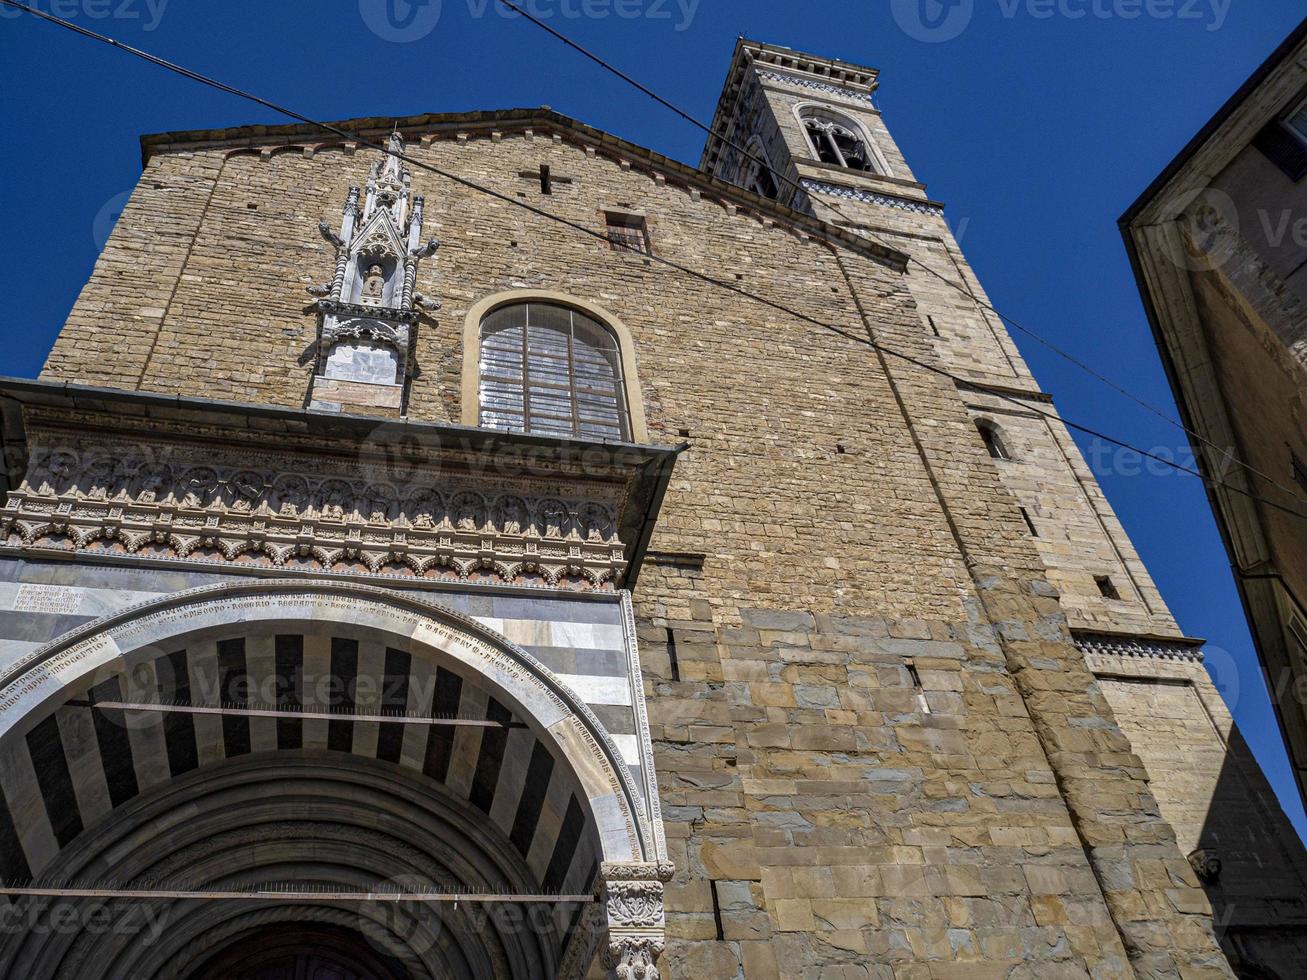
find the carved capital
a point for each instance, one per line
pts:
(637, 871)
(633, 957)
(632, 896)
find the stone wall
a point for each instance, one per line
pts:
(1214, 794)
(879, 752)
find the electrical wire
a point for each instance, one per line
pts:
(589, 232)
(964, 289)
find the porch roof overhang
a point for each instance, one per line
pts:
(644, 471)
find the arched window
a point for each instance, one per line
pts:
(993, 439)
(756, 172)
(551, 369)
(838, 141)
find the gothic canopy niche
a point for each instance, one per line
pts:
(369, 310)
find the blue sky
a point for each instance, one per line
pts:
(1036, 121)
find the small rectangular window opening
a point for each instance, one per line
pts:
(1297, 121)
(628, 231)
(1299, 469)
(717, 912)
(922, 703)
(1283, 141)
(1034, 531)
(1106, 587)
(671, 656)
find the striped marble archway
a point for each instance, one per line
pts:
(524, 767)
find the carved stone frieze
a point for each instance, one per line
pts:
(295, 510)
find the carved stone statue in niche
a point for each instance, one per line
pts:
(246, 489)
(552, 518)
(152, 483)
(337, 500)
(57, 474)
(511, 515)
(374, 286)
(198, 485)
(595, 523)
(468, 513)
(289, 495)
(101, 479)
(423, 508)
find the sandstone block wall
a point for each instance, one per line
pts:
(880, 753)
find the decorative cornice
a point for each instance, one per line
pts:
(1139, 646)
(146, 478)
(826, 88)
(871, 197)
(294, 510)
(371, 312)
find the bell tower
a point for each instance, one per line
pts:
(817, 141)
(821, 145)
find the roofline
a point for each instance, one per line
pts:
(1228, 109)
(377, 128)
(780, 49)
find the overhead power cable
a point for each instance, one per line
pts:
(960, 287)
(1000, 393)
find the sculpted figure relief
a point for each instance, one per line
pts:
(198, 487)
(229, 505)
(374, 285)
(552, 519)
(468, 512)
(424, 509)
(511, 515)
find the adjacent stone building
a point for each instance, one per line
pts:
(1219, 245)
(541, 558)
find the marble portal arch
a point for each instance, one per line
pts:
(627, 921)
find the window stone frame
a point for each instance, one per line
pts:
(470, 411)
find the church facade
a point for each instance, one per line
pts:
(487, 548)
